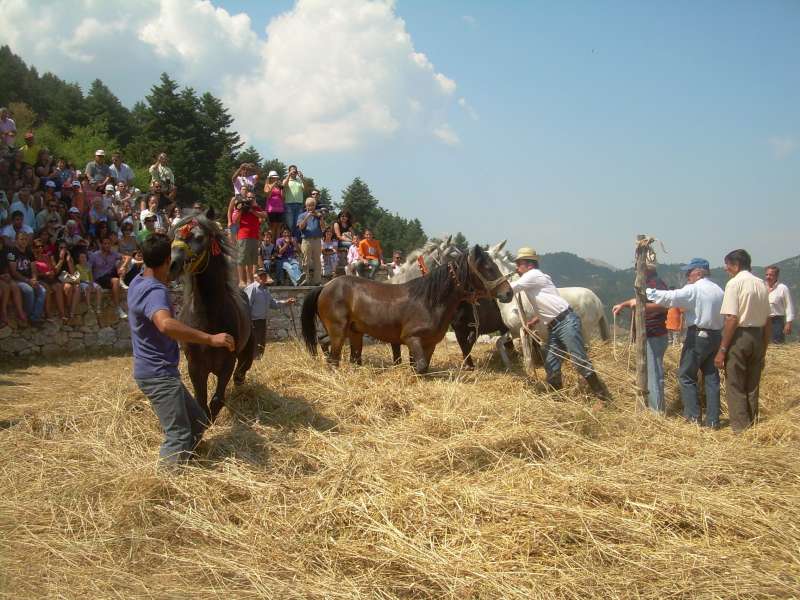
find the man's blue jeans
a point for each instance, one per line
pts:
(32, 300)
(182, 419)
(290, 214)
(656, 347)
(566, 338)
(698, 353)
(776, 325)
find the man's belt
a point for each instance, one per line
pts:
(704, 329)
(558, 318)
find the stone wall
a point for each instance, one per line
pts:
(106, 332)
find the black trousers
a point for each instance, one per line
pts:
(259, 336)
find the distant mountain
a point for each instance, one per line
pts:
(599, 263)
(613, 285)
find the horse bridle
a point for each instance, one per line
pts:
(488, 286)
(195, 263)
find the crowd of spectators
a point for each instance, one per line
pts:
(68, 233)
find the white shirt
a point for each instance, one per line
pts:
(747, 298)
(124, 173)
(9, 232)
(701, 300)
(780, 302)
(542, 294)
(29, 217)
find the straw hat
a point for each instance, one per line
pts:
(526, 253)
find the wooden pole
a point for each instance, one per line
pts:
(642, 249)
(524, 340)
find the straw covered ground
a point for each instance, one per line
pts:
(371, 482)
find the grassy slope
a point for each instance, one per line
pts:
(370, 482)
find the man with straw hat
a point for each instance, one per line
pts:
(563, 324)
(702, 300)
(261, 301)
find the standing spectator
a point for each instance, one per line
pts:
(341, 230)
(371, 253)
(273, 189)
(154, 333)
(30, 151)
(675, 324)
(286, 253)
(27, 178)
(20, 267)
(244, 177)
(781, 305)
(293, 199)
(701, 299)
(330, 255)
(266, 250)
(105, 266)
(98, 171)
(8, 129)
(87, 283)
(261, 301)
(45, 168)
(248, 218)
(563, 324)
(656, 333)
(23, 205)
(63, 175)
(120, 171)
(745, 337)
(311, 247)
(161, 173)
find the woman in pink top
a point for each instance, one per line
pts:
(273, 189)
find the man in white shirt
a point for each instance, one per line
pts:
(701, 298)
(781, 306)
(745, 337)
(119, 170)
(8, 129)
(23, 205)
(563, 324)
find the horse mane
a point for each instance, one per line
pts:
(434, 287)
(215, 232)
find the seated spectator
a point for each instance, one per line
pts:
(342, 230)
(30, 151)
(105, 266)
(20, 267)
(121, 172)
(48, 237)
(127, 243)
(69, 278)
(45, 167)
(330, 256)
(266, 251)
(175, 216)
(354, 261)
(87, 282)
(132, 268)
(123, 193)
(49, 211)
(148, 220)
(23, 203)
(15, 167)
(397, 262)
(161, 174)
(6, 179)
(8, 289)
(98, 172)
(13, 229)
(78, 198)
(63, 175)
(45, 272)
(261, 301)
(97, 215)
(156, 206)
(27, 179)
(371, 255)
(109, 196)
(286, 253)
(72, 233)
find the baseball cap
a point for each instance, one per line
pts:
(49, 183)
(696, 263)
(76, 184)
(100, 153)
(74, 210)
(146, 214)
(109, 187)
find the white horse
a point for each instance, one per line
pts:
(582, 300)
(433, 253)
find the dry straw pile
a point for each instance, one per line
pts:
(370, 482)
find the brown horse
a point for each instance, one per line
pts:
(416, 313)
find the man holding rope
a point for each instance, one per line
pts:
(563, 324)
(702, 300)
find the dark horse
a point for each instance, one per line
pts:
(416, 313)
(489, 320)
(213, 303)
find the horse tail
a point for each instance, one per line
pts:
(603, 325)
(308, 320)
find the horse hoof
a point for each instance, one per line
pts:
(238, 382)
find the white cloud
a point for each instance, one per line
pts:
(329, 76)
(446, 135)
(469, 20)
(783, 146)
(462, 102)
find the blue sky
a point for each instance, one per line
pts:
(573, 125)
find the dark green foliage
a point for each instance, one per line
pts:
(461, 242)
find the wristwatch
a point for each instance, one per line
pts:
(723, 349)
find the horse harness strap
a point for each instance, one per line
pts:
(197, 264)
(488, 286)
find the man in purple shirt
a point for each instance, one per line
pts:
(105, 265)
(154, 335)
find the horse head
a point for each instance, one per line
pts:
(489, 278)
(195, 240)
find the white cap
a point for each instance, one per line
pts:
(74, 210)
(100, 153)
(109, 187)
(146, 214)
(50, 183)
(272, 174)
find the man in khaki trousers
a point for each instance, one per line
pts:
(310, 228)
(745, 337)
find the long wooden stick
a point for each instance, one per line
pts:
(642, 250)
(527, 358)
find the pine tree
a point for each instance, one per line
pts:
(102, 104)
(359, 201)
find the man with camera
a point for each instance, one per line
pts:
(293, 197)
(248, 219)
(311, 229)
(245, 177)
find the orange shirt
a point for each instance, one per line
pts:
(370, 249)
(674, 318)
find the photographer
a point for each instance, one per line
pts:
(245, 176)
(248, 219)
(162, 174)
(293, 194)
(311, 229)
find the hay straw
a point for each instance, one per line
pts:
(373, 482)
